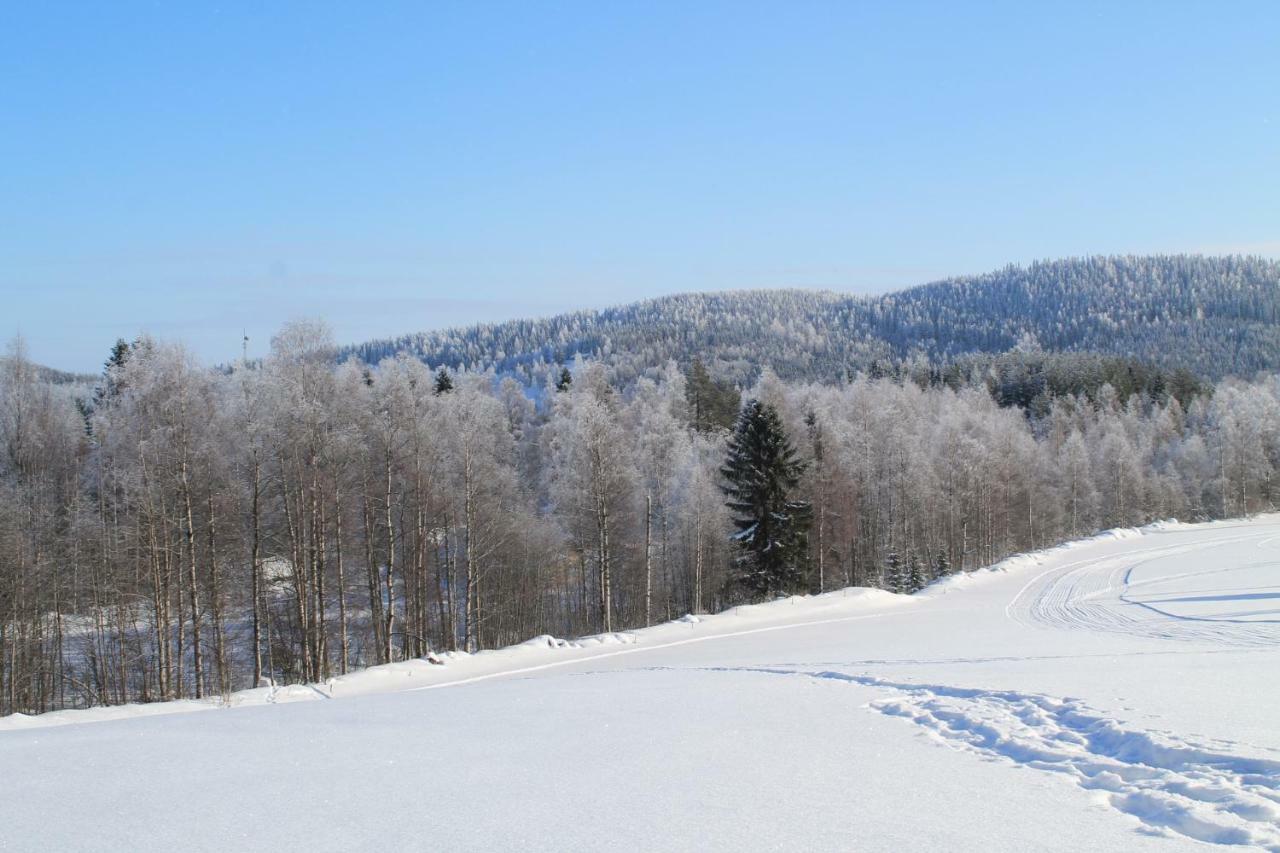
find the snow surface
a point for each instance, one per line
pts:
(1120, 693)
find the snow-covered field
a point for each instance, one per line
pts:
(1117, 694)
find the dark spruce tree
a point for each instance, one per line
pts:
(762, 473)
(941, 565)
(712, 405)
(916, 579)
(895, 579)
(112, 383)
(565, 380)
(444, 382)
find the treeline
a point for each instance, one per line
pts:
(1031, 379)
(1213, 316)
(187, 532)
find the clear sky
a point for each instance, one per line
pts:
(199, 169)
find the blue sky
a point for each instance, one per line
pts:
(193, 170)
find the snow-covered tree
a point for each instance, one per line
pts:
(895, 573)
(915, 574)
(209, 529)
(762, 474)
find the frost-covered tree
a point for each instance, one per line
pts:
(478, 461)
(592, 480)
(661, 444)
(941, 566)
(167, 529)
(1139, 323)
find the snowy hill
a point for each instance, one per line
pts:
(1212, 315)
(80, 382)
(1113, 694)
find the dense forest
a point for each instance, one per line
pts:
(1214, 316)
(183, 531)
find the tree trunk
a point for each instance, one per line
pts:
(255, 569)
(648, 559)
(193, 587)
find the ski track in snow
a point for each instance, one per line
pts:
(1204, 792)
(1099, 595)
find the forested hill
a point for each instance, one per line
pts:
(1213, 315)
(51, 375)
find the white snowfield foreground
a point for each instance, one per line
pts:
(1121, 693)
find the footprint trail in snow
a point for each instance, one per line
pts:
(1170, 785)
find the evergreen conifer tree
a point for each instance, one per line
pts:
(712, 405)
(565, 380)
(762, 474)
(941, 565)
(444, 382)
(916, 579)
(894, 578)
(112, 370)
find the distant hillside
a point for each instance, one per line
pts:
(1212, 315)
(54, 376)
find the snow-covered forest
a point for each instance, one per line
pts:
(1212, 315)
(182, 530)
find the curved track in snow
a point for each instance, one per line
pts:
(1200, 591)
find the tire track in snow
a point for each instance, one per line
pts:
(1169, 785)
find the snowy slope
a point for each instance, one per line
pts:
(1116, 694)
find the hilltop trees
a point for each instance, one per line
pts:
(1137, 323)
